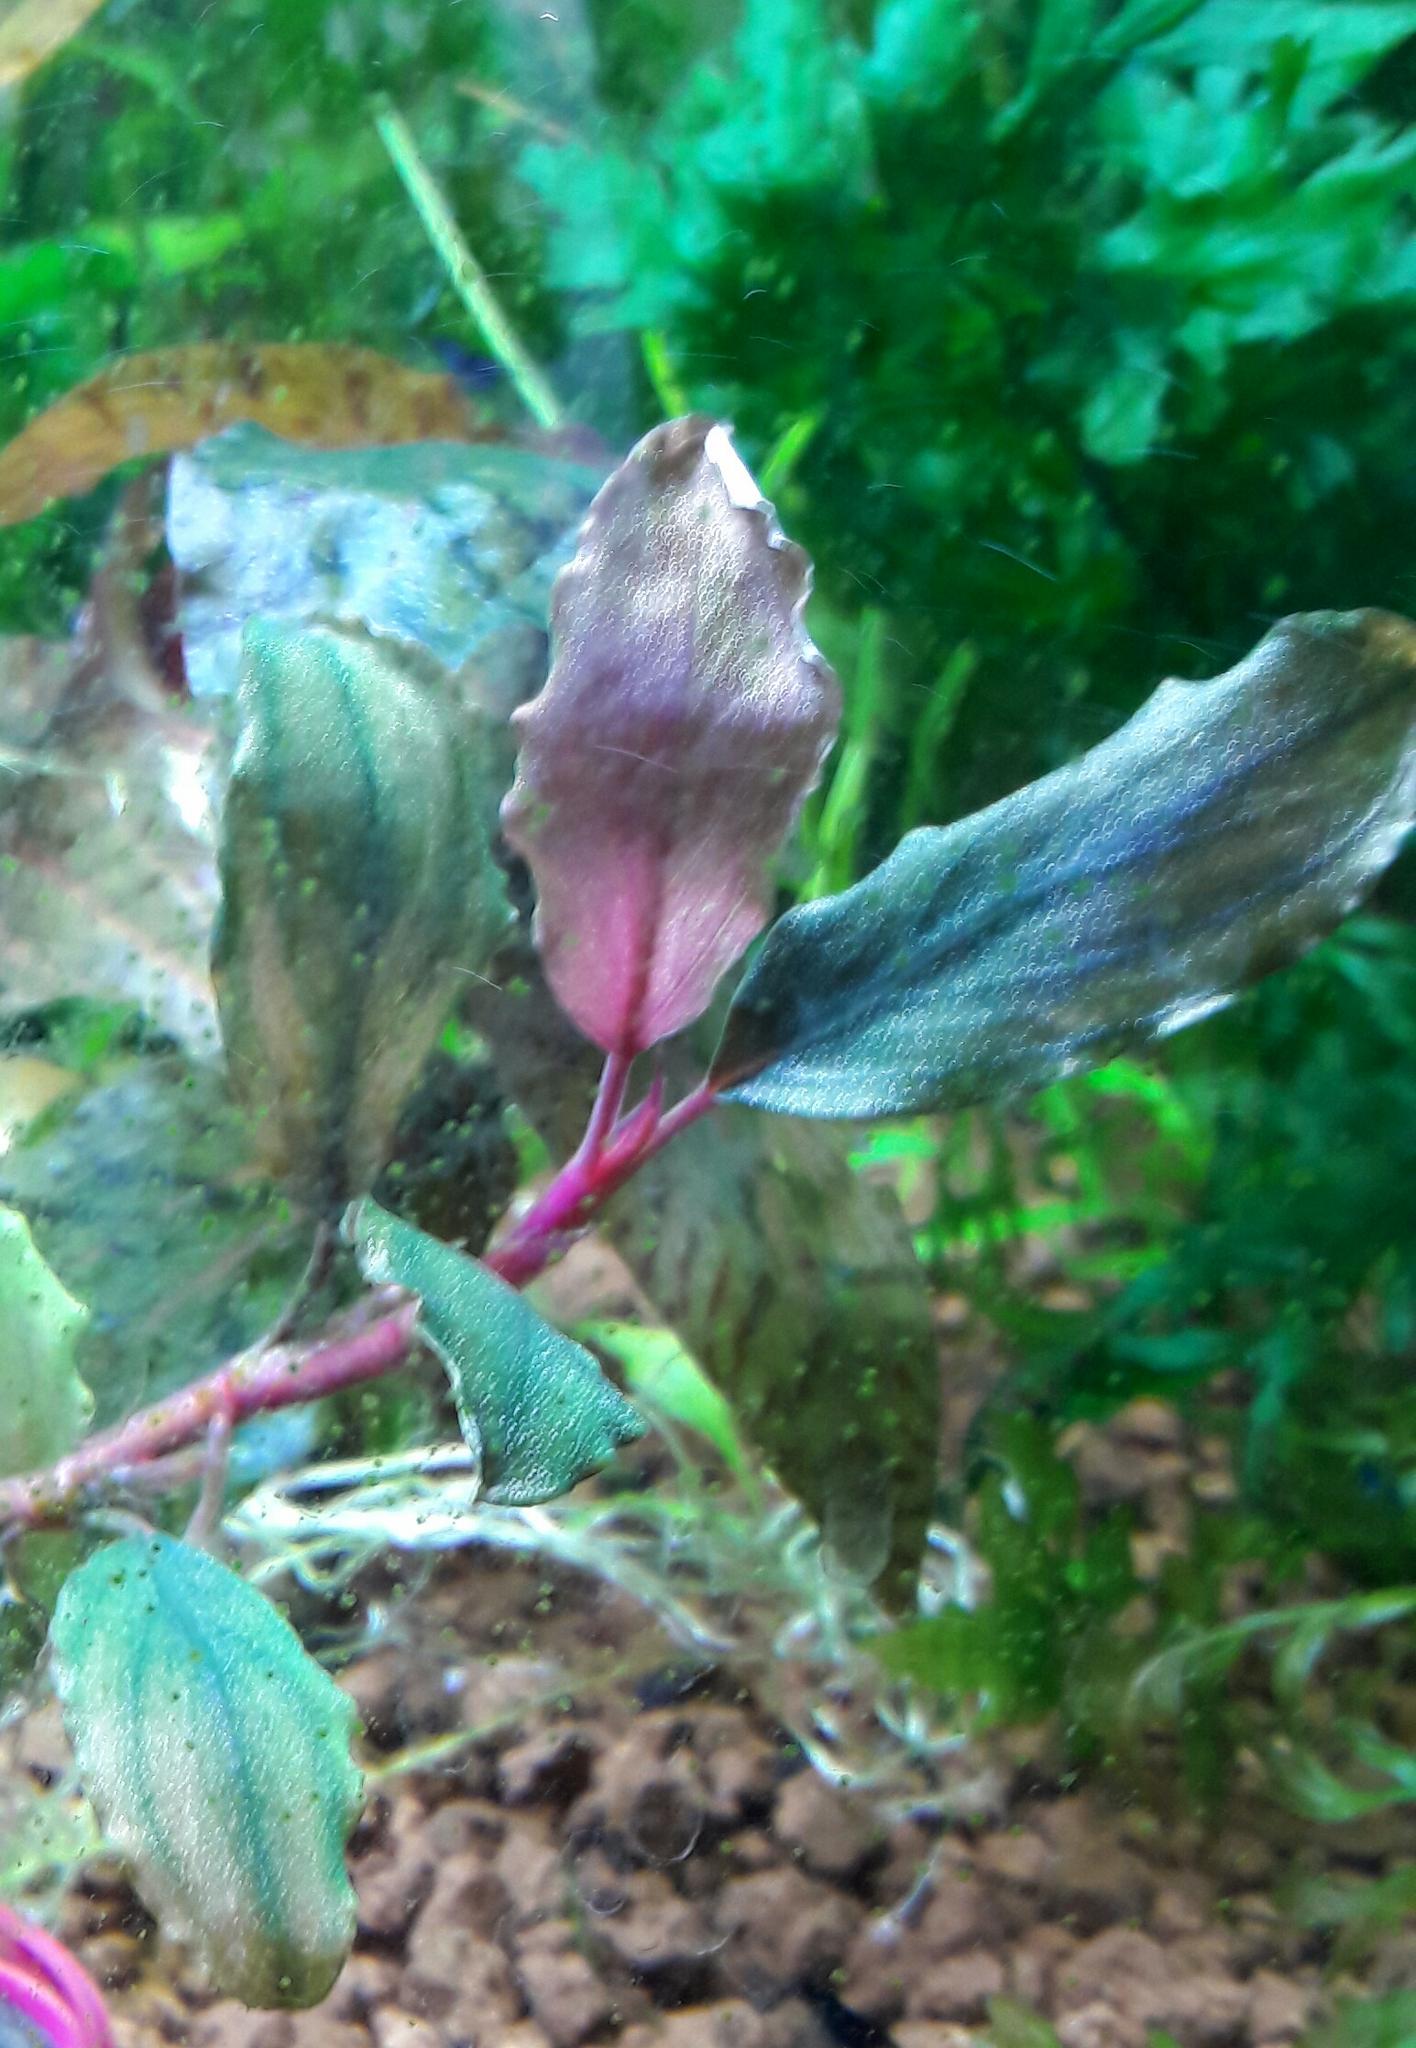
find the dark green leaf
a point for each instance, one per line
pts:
(358, 892)
(792, 1282)
(1214, 837)
(22, 1635)
(142, 1194)
(535, 1405)
(217, 1754)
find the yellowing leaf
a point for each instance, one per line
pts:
(160, 400)
(32, 30)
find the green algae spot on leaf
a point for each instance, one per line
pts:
(1220, 833)
(358, 888)
(216, 1753)
(533, 1404)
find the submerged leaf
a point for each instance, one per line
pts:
(658, 1369)
(795, 1285)
(142, 1196)
(358, 891)
(1224, 829)
(217, 1754)
(164, 399)
(44, 1405)
(790, 1279)
(532, 1403)
(685, 717)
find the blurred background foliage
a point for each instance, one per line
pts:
(1075, 340)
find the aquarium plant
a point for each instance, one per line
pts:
(659, 771)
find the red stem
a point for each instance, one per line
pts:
(609, 1100)
(586, 1182)
(375, 1337)
(252, 1384)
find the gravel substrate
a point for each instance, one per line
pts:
(675, 1876)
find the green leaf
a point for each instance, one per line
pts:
(660, 1371)
(1217, 835)
(1388, 2022)
(534, 1404)
(1342, 41)
(923, 50)
(358, 891)
(1320, 1794)
(22, 1634)
(217, 1754)
(1013, 2026)
(44, 1402)
(1121, 418)
(143, 1196)
(792, 1282)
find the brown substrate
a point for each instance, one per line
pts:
(672, 1875)
(632, 1854)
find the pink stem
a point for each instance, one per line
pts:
(38, 2002)
(375, 1337)
(252, 1384)
(37, 1972)
(609, 1100)
(683, 1113)
(585, 1182)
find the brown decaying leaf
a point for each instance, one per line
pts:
(32, 30)
(160, 400)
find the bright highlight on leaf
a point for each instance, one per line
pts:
(685, 718)
(357, 889)
(659, 1370)
(1222, 831)
(159, 400)
(217, 1754)
(44, 1404)
(534, 1405)
(32, 30)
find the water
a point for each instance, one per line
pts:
(940, 1578)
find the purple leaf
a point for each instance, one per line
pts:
(686, 716)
